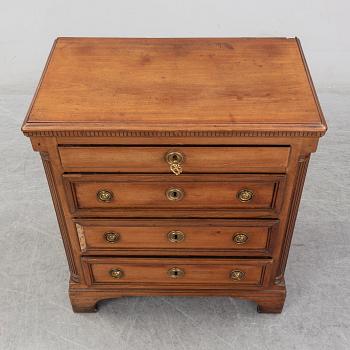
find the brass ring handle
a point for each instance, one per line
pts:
(240, 238)
(245, 195)
(175, 159)
(176, 272)
(104, 195)
(176, 236)
(174, 194)
(112, 237)
(116, 273)
(237, 275)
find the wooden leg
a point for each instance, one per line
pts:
(79, 308)
(81, 300)
(84, 305)
(271, 306)
(84, 300)
(272, 302)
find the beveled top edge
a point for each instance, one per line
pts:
(105, 130)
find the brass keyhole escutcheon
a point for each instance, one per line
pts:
(245, 195)
(174, 194)
(240, 238)
(104, 195)
(116, 273)
(176, 272)
(176, 236)
(237, 275)
(175, 159)
(112, 237)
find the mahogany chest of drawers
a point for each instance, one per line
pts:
(176, 166)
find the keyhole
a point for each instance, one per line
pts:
(176, 236)
(175, 272)
(174, 194)
(174, 158)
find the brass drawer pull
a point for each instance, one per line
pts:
(176, 236)
(116, 273)
(112, 237)
(237, 275)
(174, 194)
(104, 195)
(175, 159)
(245, 195)
(176, 272)
(240, 238)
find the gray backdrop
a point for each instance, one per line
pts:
(35, 312)
(28, 28)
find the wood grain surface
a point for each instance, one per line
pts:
(200, 237)
(132, 192)
(176, 84)
(196, 159)
(203, 272)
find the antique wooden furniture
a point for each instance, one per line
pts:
(176, 166)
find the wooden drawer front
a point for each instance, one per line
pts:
(174, 272)
(195, 159)
(186, 237)
(150, 192)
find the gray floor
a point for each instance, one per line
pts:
(317, 310)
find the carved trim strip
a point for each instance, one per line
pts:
(60, 216)
(175, 133)
(303, 163)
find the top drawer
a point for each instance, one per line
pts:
(137, 159)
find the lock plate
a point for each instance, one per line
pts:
(175, 159)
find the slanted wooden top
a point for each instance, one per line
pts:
(221, 86)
